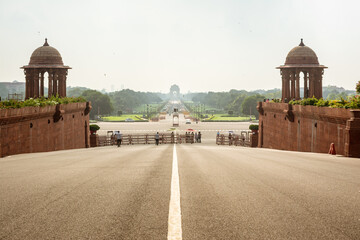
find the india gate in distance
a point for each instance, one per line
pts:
(45, 59)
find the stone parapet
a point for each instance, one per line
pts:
(309, 128)
(42, 129)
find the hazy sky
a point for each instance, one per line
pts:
(201, 45)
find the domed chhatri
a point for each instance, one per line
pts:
(46, 55)
(45, 59)
(301, 59)
(301, 55)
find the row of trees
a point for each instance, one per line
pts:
(124, 101)
(243, 102)
(236, 102)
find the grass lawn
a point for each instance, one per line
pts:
(224, 117)
(135, 117)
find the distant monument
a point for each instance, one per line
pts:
(45, 59)
(301, 59)
(174, 91)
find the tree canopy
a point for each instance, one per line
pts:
(100, 102)
(127, 100)
(249, 105)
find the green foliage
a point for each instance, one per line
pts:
(249, 105)
(75, 91)
(40, 102)
(358, 87)
(353, 102)
(129, 101)
(94, 127)
(254, 127)
(100, 102)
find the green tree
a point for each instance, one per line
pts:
(249, 104)
(358, 87)
(100, 102)
(75, 91)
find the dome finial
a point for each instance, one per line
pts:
(46, 43)
(301, 43)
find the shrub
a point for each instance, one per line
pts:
(94, 127)
(40, 102)
(254, 127)
(353, 102)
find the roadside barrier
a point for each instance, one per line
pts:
(130, 139)
(245, 139)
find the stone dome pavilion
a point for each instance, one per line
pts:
(45, 59)
(301, 59)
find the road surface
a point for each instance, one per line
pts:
(225, 192)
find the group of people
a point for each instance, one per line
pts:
(191, 137)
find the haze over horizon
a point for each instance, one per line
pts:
(200, 46)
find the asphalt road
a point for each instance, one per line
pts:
(226, 192)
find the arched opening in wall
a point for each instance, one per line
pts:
(301, 78)
(46, 84)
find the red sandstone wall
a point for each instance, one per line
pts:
(42, 129)
(306, 128)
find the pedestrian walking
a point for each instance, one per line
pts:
(192, 137)
(199, 137)
(196, 137)
(118, 138)
(172, 137)
(157, 137)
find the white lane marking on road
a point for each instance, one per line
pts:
(174, 224)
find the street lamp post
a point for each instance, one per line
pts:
(147, 110)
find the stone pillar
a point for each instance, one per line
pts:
(56, 84)
(63, 83)
(292, 95)
(54, 89)
(50, 93)
(283, 79)
(305, 85)
(42, 83)
(287, 86)
(311, 84)
(36, 83)
(297, 90)
(28, 83)
(319, 83)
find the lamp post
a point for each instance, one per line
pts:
(147, 110)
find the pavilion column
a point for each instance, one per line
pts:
(63, 83)
(311, 84)
(59, 76)
(305, 85)
(50, 93)
(287, 82)
(297, 90)
(283, 78)
(55, 83)
(31, 85)
(42, 84)
(28, 82)
(320, 83)
(36, 83)
(292, 95)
